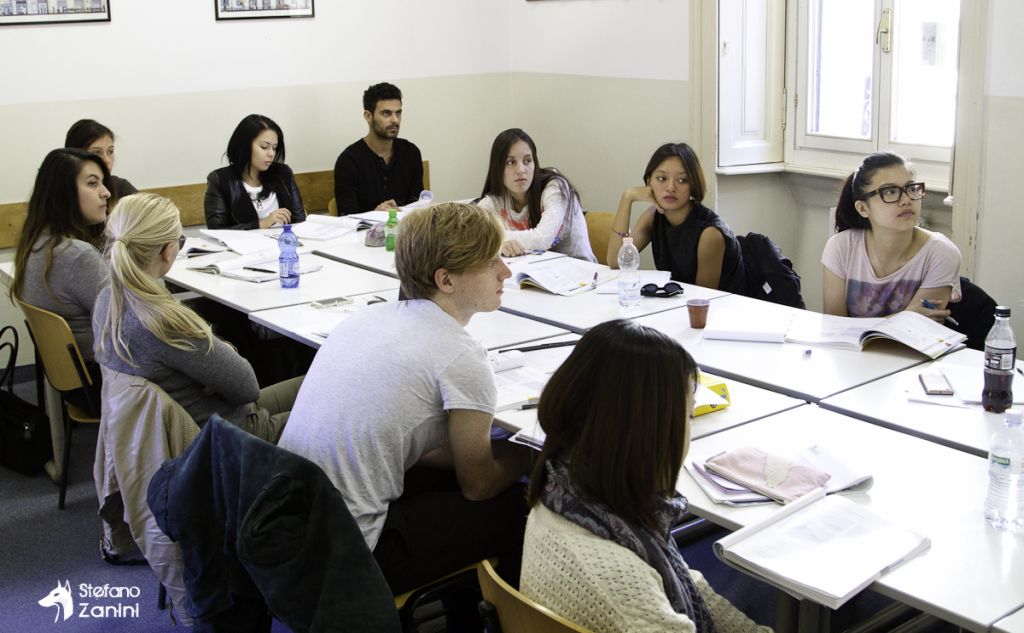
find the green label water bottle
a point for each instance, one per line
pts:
(391, 230)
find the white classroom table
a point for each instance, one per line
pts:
(581, 312)
(351, 249)
(7, 269)
(972, 574)
(493, 329)
(1013, 623)
(748, 403)
(332, 280)
(783, 367)
(884, 402)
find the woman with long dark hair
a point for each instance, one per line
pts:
(94, 137)
(539, 207)
(256, 189)
(880, 261)
(598, 548)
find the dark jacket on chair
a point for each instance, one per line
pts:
(257, 523)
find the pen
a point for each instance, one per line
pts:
(593, 284)
(932, 306)
(530, 405)
(534, 348)
(259, 270)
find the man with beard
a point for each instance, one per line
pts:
(379, 171)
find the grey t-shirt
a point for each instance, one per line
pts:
(203, 382)
(377, 396)
(77, 274)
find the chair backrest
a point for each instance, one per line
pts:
(332, 207)
(599, 228)
(426, 175)
(62, 360)
(516, 612)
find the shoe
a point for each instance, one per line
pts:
(114, 559)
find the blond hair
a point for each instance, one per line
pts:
(138, 229)
(454, 236)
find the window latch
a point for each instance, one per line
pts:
(883, 35)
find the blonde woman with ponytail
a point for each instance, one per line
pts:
(140, 329)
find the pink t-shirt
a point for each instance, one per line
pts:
(936, 265)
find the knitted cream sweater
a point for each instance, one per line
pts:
(603, 586)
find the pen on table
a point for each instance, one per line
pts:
(593, 284)
(933, 306)
(531, 405)
(259, 270)
(534, 348)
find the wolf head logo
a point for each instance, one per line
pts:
(61, 598)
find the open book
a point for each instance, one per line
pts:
(564, 276)
(319, 227)
(195, 246)
(914, 330)
(255, 267)
(242, 242)
(843, 476)
(823, 548)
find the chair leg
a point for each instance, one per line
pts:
(67, 459)
(161, 598)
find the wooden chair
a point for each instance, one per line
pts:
(408, 602)
(599, 228)
(65, 370)
(505, 610)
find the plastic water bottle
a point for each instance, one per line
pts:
(629, 274)
(391, 230)
(288, 261)
(1004, 504)
(1000, 361)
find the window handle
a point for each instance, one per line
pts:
(883, 35)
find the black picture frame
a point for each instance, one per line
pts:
(261, 9)
(18, 12)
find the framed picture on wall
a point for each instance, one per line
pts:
(249, 9)
(50, 11)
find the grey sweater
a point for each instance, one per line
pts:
(77, 274)
(203, 382)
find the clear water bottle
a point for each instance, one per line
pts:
(1004, 504)
(288, 261)
(629, 274)
(1000, 361)
(391, 230)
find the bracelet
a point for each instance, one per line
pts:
(626, 234)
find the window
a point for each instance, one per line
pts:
(875, 75)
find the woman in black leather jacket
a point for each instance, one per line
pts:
(256, 189)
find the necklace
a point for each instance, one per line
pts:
(257, 198)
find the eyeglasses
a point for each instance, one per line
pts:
(670, 289)
(181, 242)
(893, 193)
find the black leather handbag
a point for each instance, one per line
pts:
(24, 428)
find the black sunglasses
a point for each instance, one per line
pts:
(670, 289)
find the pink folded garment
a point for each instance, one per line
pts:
(773, 476)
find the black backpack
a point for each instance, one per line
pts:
(770, 275)
(24, 427)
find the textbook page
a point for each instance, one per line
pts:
(825, 549)
(242, 242)
(564, 276)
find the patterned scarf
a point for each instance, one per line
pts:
(657, 550)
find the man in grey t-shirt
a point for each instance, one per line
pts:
(398, 404)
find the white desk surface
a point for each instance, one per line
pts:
(493, 329)
(748, 402)
(783, 367)
(581, 312)
(333, 280)
(351, 249)
(972, 574)
(884, 402)
(1013, 623)
(7, 269)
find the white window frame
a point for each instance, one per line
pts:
(960, 178)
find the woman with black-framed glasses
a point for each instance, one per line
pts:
(880, 261)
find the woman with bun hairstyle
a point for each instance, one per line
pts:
(880, 261)
(689, 239)
(256, 189)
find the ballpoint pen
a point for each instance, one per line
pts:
(933, 306)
